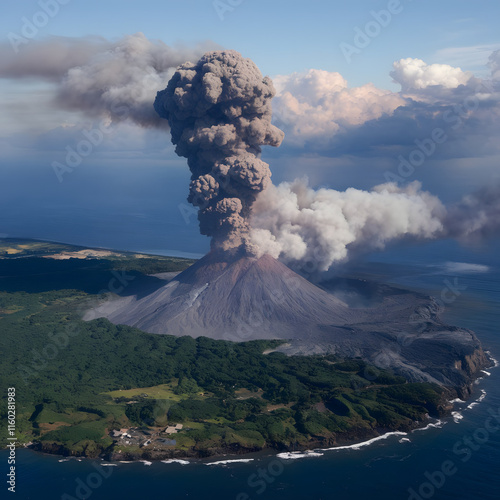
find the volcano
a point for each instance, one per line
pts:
(248, 298)
(242, 299)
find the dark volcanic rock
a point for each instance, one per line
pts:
(248, 298)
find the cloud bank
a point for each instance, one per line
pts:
(318, 104)
(476, 217)
(318, 110)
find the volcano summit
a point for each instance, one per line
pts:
(219, 112)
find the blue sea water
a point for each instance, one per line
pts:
(466, 446)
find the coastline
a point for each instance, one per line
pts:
(473, 367)
(355, 439)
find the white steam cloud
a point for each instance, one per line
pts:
(295, 223)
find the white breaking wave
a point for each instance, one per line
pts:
(176, 461)
(405, 440)
(358, 446)
(457, 400)
(478, 400)
(145, 462)
(225, 462)
(438, 424)
(495, 362)
(293, 455)
(108, 465)
(457, 416)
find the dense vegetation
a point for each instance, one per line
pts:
(225, 394)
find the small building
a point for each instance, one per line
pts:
(170, 430)
(178, 427)
(116, 434)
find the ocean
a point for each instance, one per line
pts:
(456, 458)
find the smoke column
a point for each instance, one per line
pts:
(219, 111)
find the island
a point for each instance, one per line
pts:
(97, 389)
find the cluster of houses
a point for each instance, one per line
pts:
(139, 437)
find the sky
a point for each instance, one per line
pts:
(359, 86)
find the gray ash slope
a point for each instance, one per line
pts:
(251, 298)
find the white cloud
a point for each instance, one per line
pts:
(464, 268)
(415, 74)
(474, 57)
(319, 103)
(317, 110)
(494, 65)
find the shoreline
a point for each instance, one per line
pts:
(305, 451)
(228, 458)
(308, 450)
(353, 439)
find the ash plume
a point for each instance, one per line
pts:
(476, 217)
(103, 79)
(219, 111)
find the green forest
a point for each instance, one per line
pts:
(78, 381)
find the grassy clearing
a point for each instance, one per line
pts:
(247, 394)
(162, 391)
(48, 416)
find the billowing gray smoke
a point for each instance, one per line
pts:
(116, 80)
(476, 217)
(219, 111)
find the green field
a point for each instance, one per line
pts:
(162, 391)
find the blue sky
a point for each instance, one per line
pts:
(283, 36)
(351, 147)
